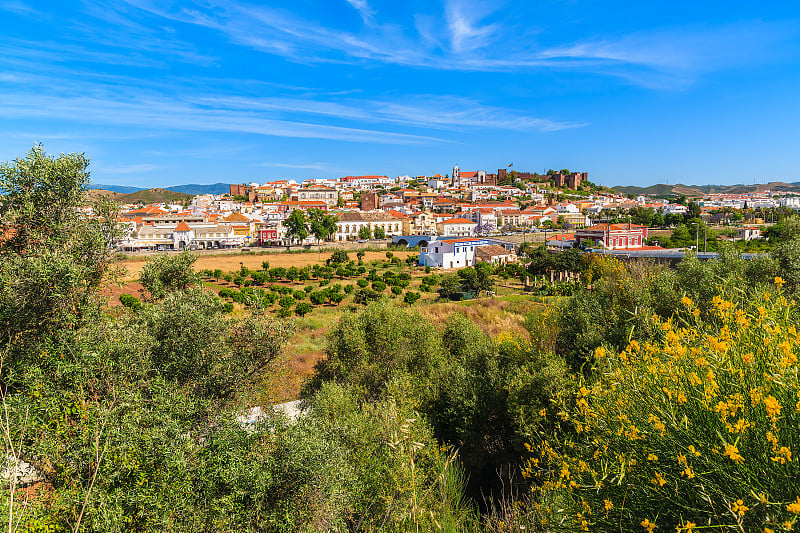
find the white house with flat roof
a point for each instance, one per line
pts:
(453, 253)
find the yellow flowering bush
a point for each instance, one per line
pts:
(697, 429)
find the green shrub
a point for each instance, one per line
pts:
(411, 297)
(131, 302)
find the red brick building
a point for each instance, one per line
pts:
(369, 201)
(614, 236)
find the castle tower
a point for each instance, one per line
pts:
(456, 179)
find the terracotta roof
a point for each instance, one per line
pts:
(183, 226)
(491, 250)
(363, 216)
(236, 217)
(458, 221)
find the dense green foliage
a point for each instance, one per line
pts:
(137, 418)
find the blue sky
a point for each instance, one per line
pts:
(161, 93)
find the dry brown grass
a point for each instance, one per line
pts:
(231, 262)
(492, 315)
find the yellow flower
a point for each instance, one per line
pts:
(686, 301)
(648, 525)
(733, 452)
(783, 455)
(600, 352)
(779, 281)
(687, 527)
(696, 312)
(693, 451)
(740, 508)
(772, 405)
(794, 507)
(688, 472)
(652, 457)
(608, 505)
(658, 480)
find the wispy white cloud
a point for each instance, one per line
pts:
(363, 9)
(20, 8)
(154, 112)
(465, 19)
(474, 42)
(429, 111)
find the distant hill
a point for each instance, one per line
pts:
(151, 196)
(699, 190)
(191, 188)
(115, 188)
(96, 194)
(194, 189)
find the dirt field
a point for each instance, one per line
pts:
(231, 262)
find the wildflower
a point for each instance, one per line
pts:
(688, 472)
(772, 405)
(658, 480)
(648, 525)
(687, 527)
(608, 505)
(741, 425)
(686, 301)
(740, 508)
(794, 507)
(779, 281)
(733, 452)
(652, 457)
(783, 455)
(762, 498)
(696, 312)
(693, 451)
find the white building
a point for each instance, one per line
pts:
(460, 227)
(183, 235)
(452, 253)
(351, 222)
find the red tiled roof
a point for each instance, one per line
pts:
(183, 226)
(466, 239)
(458, 221)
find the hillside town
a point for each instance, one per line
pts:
(462, 211)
